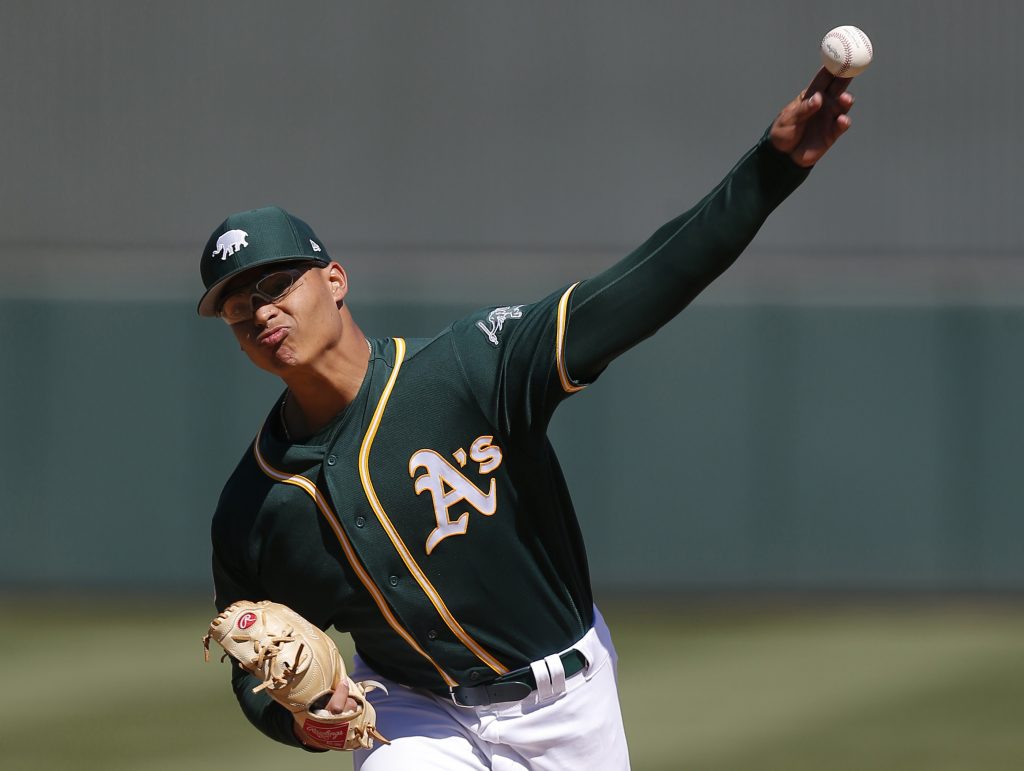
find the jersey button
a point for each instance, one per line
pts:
(360, 521)
(474, 675)
(332, 459)
(432, 634)
(393, 580)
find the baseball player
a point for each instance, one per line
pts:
(403, 490)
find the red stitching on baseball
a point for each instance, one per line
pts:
(846, 47)
(867, 43)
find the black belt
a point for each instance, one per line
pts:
(512, 686)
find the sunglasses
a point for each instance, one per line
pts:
(241, 305)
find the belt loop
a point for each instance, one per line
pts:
(557, 671)
(540, 674)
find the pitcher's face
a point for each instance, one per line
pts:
(294, 314)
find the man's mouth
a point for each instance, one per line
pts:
(272, 336)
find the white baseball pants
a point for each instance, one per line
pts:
(566, 724)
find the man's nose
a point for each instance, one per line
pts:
(262, 309)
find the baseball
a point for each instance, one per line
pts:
(846, 51)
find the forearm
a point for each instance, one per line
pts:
(272, 719)
(267, 715)
(621, 306)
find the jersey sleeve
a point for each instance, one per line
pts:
(632, 299)
(512, 360)
(523, 360)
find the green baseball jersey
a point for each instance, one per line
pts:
(430, 519)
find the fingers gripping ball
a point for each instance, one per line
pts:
(299, 665)
(846, 51)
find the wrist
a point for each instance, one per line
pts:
(305, 740)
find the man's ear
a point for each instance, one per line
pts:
(337, 281)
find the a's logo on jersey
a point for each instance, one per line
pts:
(449, 487)
(315, 245)
(496, 320)
(246, 620)
(230, 242)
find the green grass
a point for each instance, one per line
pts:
(119, 685)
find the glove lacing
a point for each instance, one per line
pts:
(266, 655)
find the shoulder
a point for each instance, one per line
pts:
(491, 326)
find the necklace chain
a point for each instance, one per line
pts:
(287, 393)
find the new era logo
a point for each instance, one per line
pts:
(315, 245)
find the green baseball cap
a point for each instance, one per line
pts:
(251, 238)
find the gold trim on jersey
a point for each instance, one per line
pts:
(346, 546)
(396, 540)
(563, 315)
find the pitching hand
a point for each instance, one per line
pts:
(809, 125)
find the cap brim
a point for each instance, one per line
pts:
(211, 299)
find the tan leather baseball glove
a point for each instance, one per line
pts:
(300, 666)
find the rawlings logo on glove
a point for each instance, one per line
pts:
(299, 666)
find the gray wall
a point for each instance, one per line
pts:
(468, 125)
(840, 410)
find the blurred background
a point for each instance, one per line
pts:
(802, 499)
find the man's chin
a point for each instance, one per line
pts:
(285, 361)
(277, 362)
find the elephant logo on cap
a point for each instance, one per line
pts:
(230, 242)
